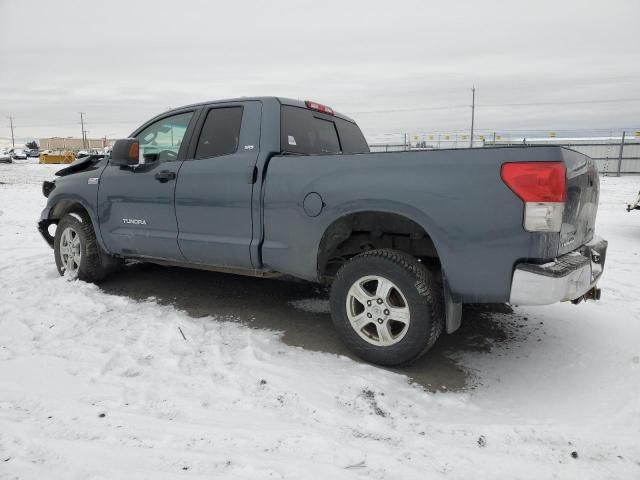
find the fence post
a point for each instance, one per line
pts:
(620, 155)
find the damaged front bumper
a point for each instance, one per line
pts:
(45, 221)
(43, 226)
(635, 205)
(570, 277)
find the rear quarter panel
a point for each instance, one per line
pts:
(457, 196)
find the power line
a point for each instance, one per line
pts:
(504, 131)
(420, 109)
(396, 110)
(491, 105)
(70, 124)
(567, 102)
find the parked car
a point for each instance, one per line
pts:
(18, 154)
(34, 153)
(270, 186)
(99, 152)
(5, 156)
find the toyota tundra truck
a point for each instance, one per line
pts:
(277, 187)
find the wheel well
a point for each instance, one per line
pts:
(59, 210)
(64, 207)
(359, 232)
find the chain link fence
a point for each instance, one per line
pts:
(614, 155)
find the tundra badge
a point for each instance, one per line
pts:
(134, 221)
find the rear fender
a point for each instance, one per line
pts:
(397, 208)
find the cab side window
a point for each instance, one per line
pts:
(161, 141)
(220, 133)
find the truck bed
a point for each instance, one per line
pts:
(474, 220)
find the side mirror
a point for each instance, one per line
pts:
(125, 152)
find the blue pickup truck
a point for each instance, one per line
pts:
(270, 186)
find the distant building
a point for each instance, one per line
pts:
(75, 144)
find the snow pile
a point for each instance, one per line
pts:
(100, 386)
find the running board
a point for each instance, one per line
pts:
(247, 272)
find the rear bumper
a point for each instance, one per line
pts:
(568, 277)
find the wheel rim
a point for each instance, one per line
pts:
(378, 310)
(70, 253)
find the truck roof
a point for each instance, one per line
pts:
(281, 100)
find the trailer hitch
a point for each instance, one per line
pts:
(593, 294)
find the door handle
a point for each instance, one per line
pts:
(165, 175)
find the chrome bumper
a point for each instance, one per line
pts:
(568, 277)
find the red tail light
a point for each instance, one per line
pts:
(536, 181)
(318, 107)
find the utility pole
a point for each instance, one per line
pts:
(84, 141)
(13, 142)
(473, 111)
(620, 154)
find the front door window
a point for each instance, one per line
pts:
(161, 141)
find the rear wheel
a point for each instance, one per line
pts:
(77, 252)
(387, 306)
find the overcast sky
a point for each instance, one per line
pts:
(395, 66)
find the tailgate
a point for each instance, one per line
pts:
(583, 190)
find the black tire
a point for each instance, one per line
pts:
(422, 292)
(95, 264)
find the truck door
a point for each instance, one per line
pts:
(215, 185)
(136, 207)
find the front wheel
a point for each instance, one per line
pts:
(77, 252)
(387, 306)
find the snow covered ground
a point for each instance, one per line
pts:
(96, 386)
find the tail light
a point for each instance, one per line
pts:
(542, 186)
(318, 107)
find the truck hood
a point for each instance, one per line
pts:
(79, 165)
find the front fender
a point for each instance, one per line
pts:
(73, 192)
(58, 206)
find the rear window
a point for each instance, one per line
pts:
(306, 132)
